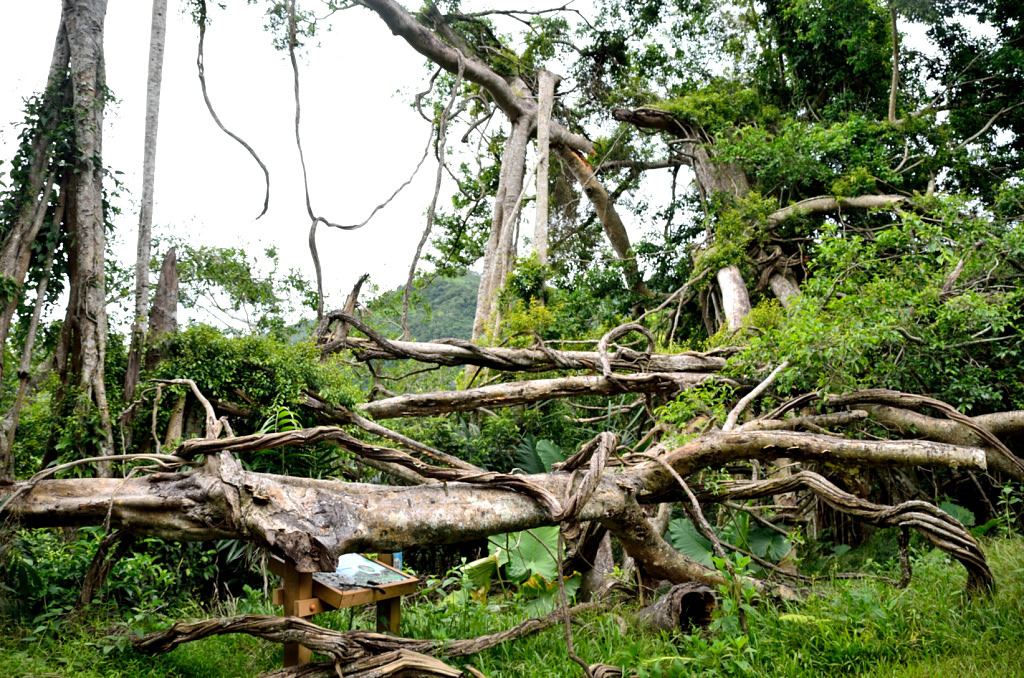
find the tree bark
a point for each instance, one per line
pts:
(614, 229)
(158, 29)
(15, 253)
(827, 203)
(546, 82)
(500, 252)
(735, 299)
(529, 359)
(163, 315)
(894, 86)
(85, 325)
(313, 521)
(952, 432)
(784, 287)
(524, 392)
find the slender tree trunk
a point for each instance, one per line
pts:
(500, 251)
(546, 95)
(895, 86)
(158, 29)
(610, 220)
(15, 253)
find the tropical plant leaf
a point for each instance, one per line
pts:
(684, 538)
(527, 553)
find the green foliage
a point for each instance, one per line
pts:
(227, 283)
(738, 224)
(526, 281)
(738, 531)
(537, 456)
(495, 442)
(529, 560)
(838, 51)
(797, 159)
(846, 628)
(266, 373)
(45, 570)
(47, 116)
(710, 399)
(885, 309)
(719, 106)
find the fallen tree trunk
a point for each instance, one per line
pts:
(681, 609)
(525, 392)
(456, 352)
(312, 522)
(955, 432)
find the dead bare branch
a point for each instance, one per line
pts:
(734, 415)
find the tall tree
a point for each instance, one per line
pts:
(157, 31)
(82, 350)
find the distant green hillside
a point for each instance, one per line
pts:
(447, 308)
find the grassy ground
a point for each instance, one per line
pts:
(858, 628)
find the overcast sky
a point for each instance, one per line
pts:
(360, 136)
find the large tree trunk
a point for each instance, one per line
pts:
(311, 522)
(84, 335)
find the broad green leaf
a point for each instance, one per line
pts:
(549, 454)
(481, 571)
(767, 543)
(684, 538)
(527, 553)
(546, 601)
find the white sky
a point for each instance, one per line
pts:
(361, 139)
(360, 135)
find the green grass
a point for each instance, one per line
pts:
(848, 628)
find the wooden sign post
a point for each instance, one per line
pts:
(304, 594)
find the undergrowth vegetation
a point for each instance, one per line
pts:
(863, 627)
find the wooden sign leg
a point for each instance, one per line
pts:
(389, 615)
(389, 612)
(297, 586)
